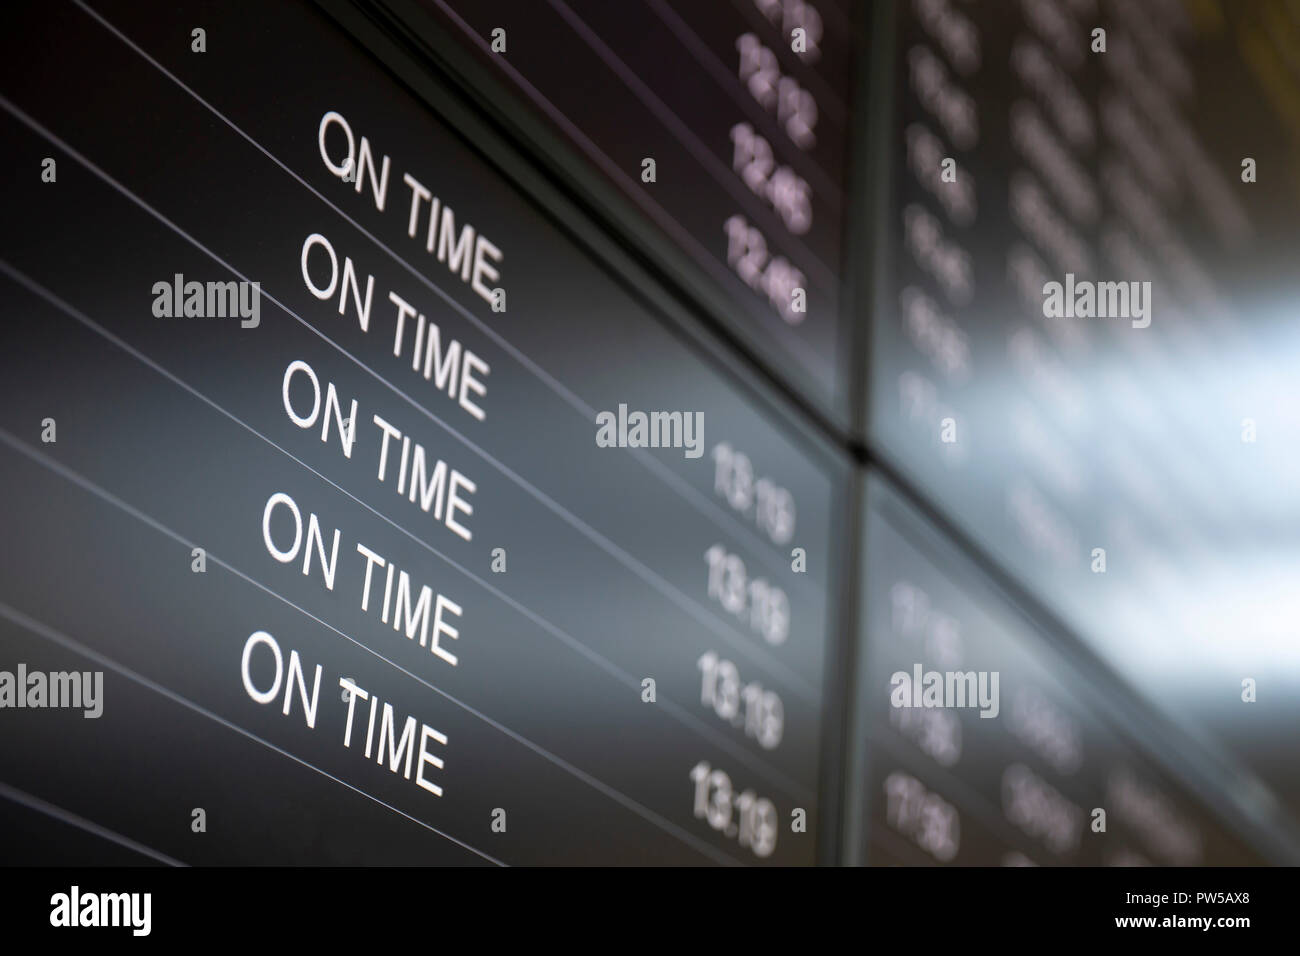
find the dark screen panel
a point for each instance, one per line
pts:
(423, 627)
(1128, 457)
(749, 140)
(944, 784)
(363, 577)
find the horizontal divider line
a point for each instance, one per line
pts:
(32, 802)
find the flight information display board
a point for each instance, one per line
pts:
(1085, 340)
(387, 521)
(725, 126)
(979, 744)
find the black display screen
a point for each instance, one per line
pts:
(1084, 347)
(363, 577)
(1009, 763)
(668, 432)
(747, 124)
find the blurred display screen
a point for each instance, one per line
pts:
(361, 578)
(430, 432)
(983, 745)
(748, 139)
(1086, 347)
